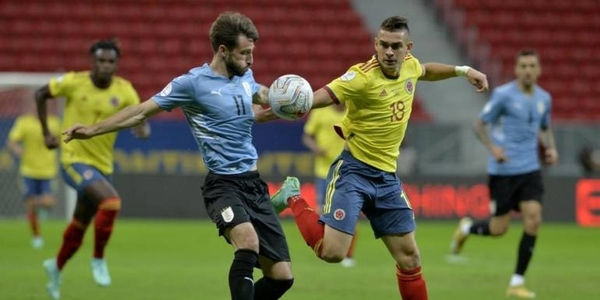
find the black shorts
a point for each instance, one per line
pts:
(507, 191)
(234, 199)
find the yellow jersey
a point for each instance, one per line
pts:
(378, 109)
(88, 104)
(320, 125)
(37, 161)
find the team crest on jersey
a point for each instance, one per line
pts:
(227, 214)
(339, 214)
(247, 89)
(409, 86)
(167, 90)
(348, 76)
(541, 107)
(114, 101)
(88, 174)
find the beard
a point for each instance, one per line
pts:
(233, 68)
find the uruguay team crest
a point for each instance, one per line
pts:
(409, 86)
(541, 107)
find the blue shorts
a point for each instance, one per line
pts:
(36, 187)
(320, 189)
(353, 186)
(79, 176)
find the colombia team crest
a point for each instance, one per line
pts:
(409, 86)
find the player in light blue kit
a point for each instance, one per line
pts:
(221, 101)
(518, 114)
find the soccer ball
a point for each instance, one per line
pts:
(290, 97)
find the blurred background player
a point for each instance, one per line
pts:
(518, 114)
(378, 95)
(91, 96)
(38, 165)
(221, 101)
(320, 137)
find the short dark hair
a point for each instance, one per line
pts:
(395, 23)
(526, 52)
(111, 44)
(226, 29)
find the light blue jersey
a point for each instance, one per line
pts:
(516, 120)
(219, 111)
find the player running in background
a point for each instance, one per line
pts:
(320, 137)
(378, 95)
(221, 101)
(38, 165)
(518, 114)
(91, 96)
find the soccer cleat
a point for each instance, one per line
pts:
(519, 291)
(37, 242)
(289, 188)
(54, 278)
(100, 272)
(348, 262)
(459, 238)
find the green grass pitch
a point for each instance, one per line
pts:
(165, 259)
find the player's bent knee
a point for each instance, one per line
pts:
(333, 255)
(110, 204)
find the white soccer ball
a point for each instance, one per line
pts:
(290, 97)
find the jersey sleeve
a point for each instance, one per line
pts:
(312, 124)
(178, 92)
(547, 114)
(348, 86)
(16, 132)
(61, 86)
(493, 109)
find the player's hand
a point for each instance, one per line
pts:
(51, 141)
(263, 114)
(478, 79)
(141, 131)
(551, 156)
(498, 154)
(77, 132)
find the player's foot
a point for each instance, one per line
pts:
(100, 272)
(289, 188)
(37, 242)
(54, 278)
(348, 262)
(459, 237)
(519, 291)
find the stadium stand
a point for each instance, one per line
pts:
(162, 39)
(565, 33)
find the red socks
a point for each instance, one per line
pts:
(33, 222)
(72, 238)
(103, 225)
(411, 284)
(308, 223)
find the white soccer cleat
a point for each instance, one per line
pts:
(100, 272)
(37, 242)
(54, 278)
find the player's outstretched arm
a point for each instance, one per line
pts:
(130, 116)
(321, 98)
(437, 71)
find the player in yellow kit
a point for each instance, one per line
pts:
(91, 96)
(38, 166)
(378, 95)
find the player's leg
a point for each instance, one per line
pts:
(349, 260)
(47, 199)
(274, 259)
(403, 248)
(501, 190)
(30, 199)
(224, 204)
(392, 220)
(530, 188)
(107, 202)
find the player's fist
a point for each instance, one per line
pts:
(498, 154)
(478, 79)
(551, 156)
(50, 141)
